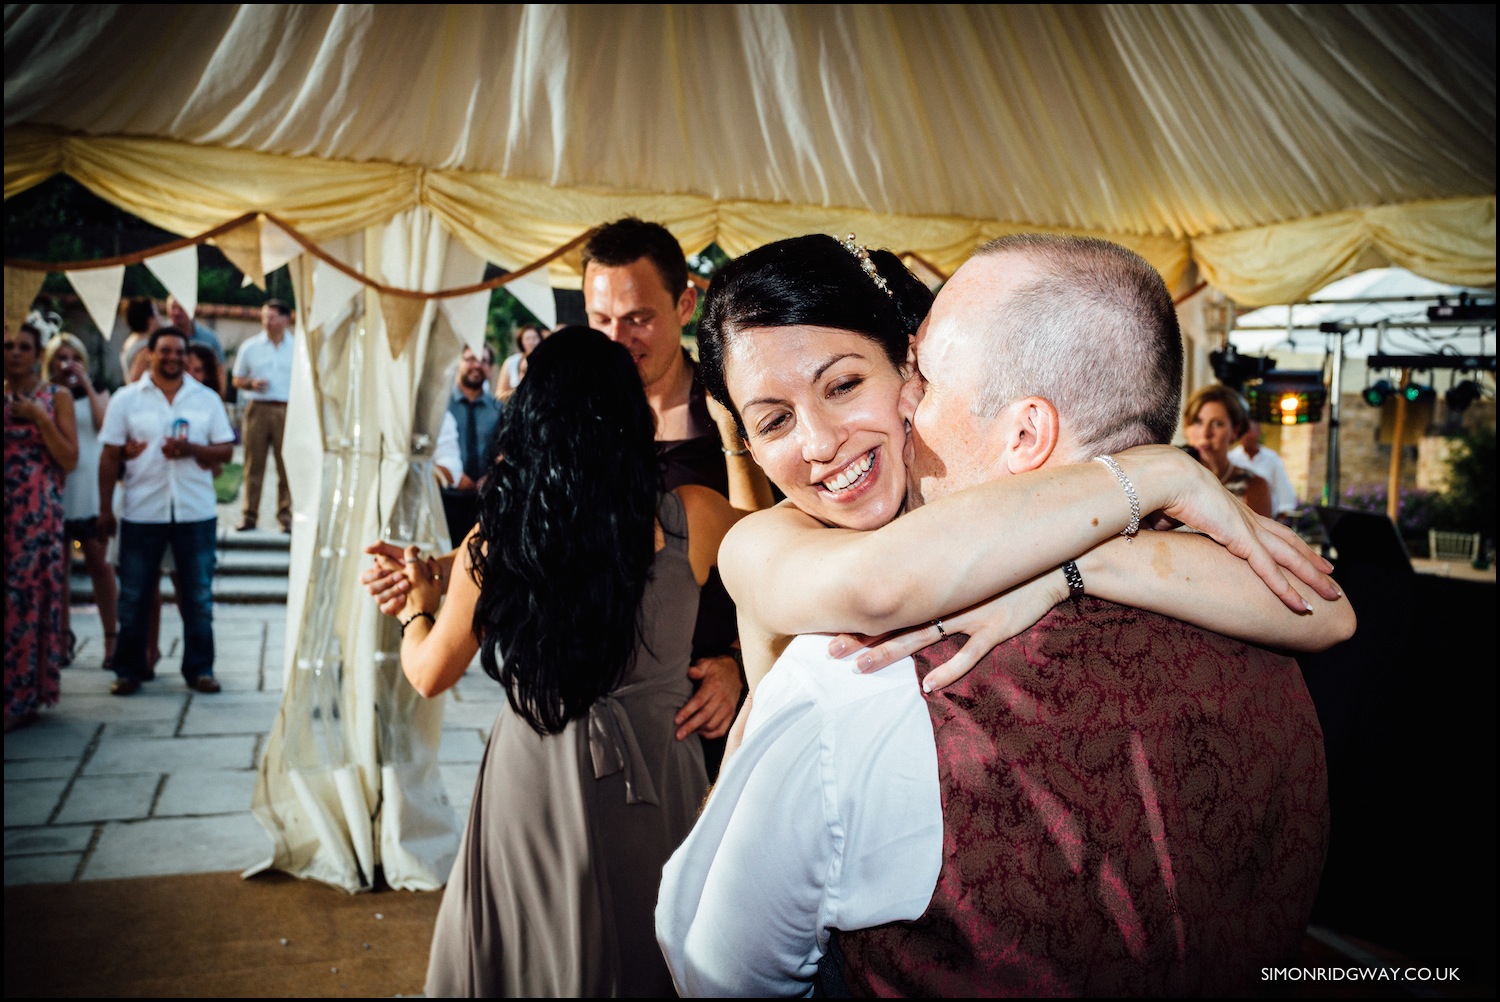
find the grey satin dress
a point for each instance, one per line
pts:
(554, 888)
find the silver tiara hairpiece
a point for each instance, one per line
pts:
(862, 255)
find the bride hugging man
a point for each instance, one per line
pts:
(1099, 773)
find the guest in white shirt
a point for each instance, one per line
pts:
(168, 501)
(1267, 465)
(263, 375)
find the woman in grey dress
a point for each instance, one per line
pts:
(579, 588)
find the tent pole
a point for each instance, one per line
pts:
(1393, 493)
(1331, 480)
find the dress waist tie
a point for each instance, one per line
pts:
(612, 741)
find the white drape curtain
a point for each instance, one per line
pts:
(349, 781)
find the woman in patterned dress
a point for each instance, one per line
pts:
(41, 447)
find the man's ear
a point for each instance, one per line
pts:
(687, 303)
(1031, 434)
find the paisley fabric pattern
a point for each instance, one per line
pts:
(34, 643)
(1131, 805)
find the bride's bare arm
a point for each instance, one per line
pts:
(792, 574)
(1192, 578)
(1182, 575)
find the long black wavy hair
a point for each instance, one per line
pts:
(807, 281)
(566, 536)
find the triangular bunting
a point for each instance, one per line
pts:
(99, 288)
(242, 246)
(402, 314)
(332, 292)
(467, 316)
(178, 271)
(535, 293)
(277, 246)
(21, 288)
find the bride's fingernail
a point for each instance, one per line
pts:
(866, 662)
(926, 685)
(836, 649)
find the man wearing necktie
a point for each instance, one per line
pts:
(474, 412)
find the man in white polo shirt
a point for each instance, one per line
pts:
(168, 500)
(263, 375)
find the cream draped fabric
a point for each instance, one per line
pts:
(349, 780)
(1275, 146)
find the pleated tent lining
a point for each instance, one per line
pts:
(1274, 145)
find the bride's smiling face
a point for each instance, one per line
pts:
(821, 418)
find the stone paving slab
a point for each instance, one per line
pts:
(109, 798)
(132, 756)
(53, 869)
(41, 768)
(162, 846)
(461, 746)
(219, 791)
(51, 737)
(231, 712)
(50, 840)
(31, 802)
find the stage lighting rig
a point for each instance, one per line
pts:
(1465, 309)
(1288, 398)
(1233, 369)
(1376, 393)
(1462, 395)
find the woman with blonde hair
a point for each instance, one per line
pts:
(66, 362)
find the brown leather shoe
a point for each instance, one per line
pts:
(125, 687)
(205, 683)
(245, 526)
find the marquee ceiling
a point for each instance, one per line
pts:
(1273, 146)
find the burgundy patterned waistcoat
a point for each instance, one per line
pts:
(1131, 806)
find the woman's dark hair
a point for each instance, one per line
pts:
(27, 327)
(566, 537)
(808, 281)
(205, 354)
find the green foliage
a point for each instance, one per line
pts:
(506, 315)
(1469, 504)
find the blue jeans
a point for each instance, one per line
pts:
(194, 550)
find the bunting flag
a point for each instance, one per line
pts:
(535, 293)
(21, 288)
(277, 246)
(402, 314)
(332, 292)
(468, 315)
(99, 289)
(242, 246)
(178, 271)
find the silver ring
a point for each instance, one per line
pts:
(941, 632)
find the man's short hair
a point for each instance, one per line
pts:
(1096, 334)
(162, 332)
(626, 241)
(280, 306)
(139, 313)
(485, 354)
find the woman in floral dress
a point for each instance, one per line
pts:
(41, 447)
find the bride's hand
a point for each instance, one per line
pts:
(988, 624)
(1200, 501)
